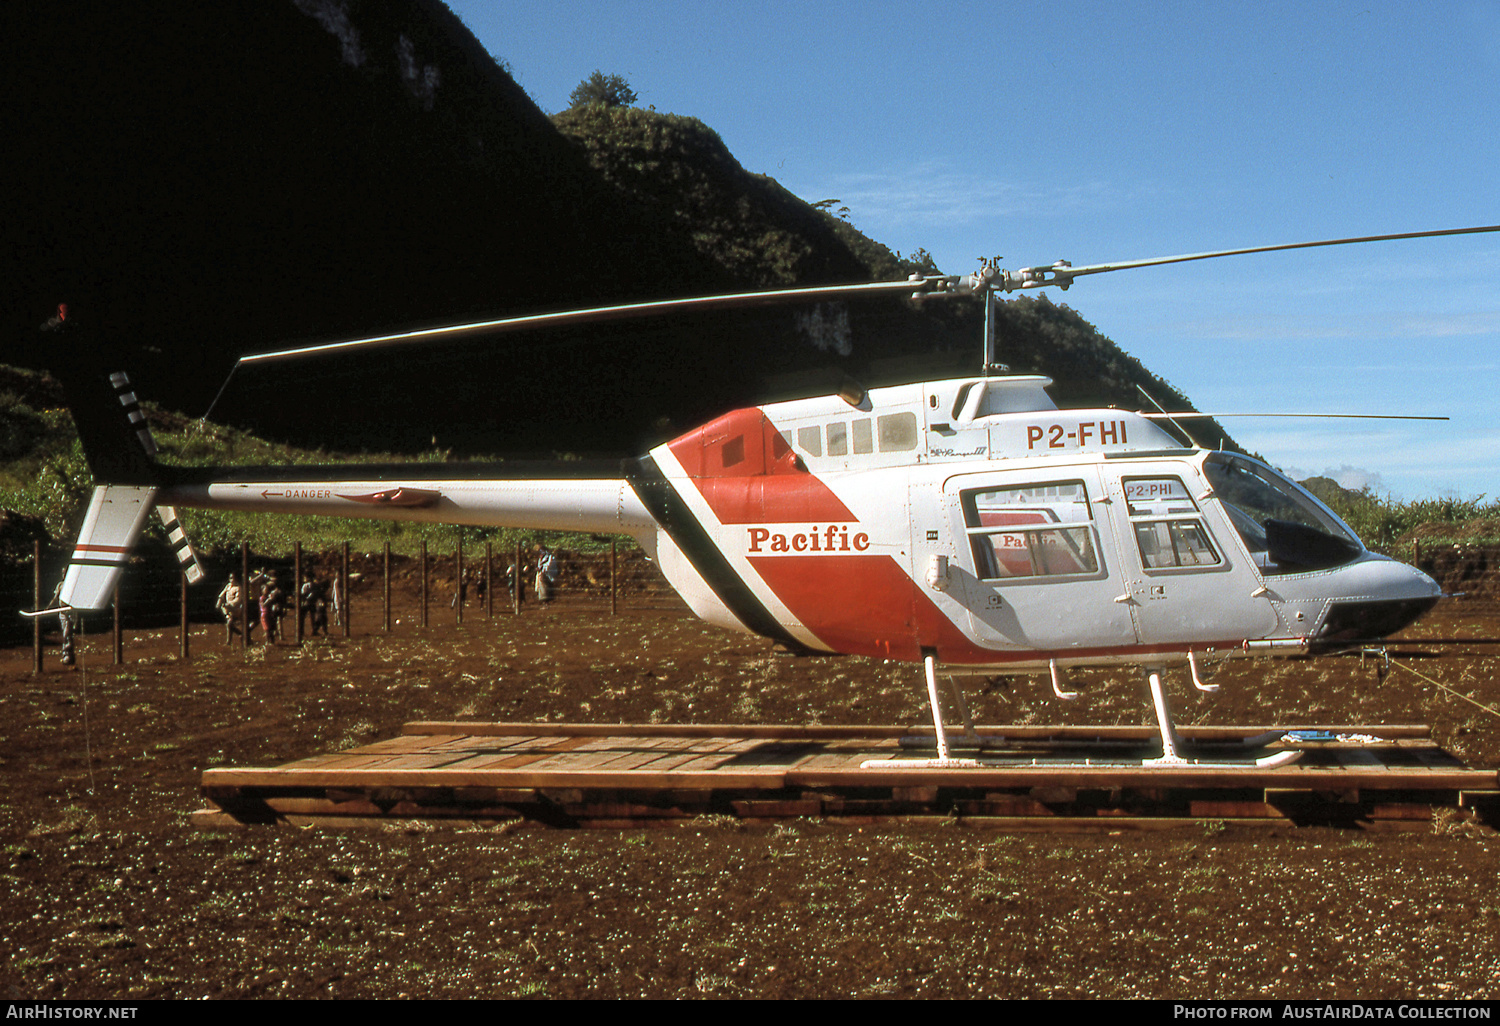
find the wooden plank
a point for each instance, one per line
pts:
(1402, 811)
(654, 760)
(668, 761)
(581, 760)
(400, 743)
(1234, 810)
(734, 730)
(837, 761)
(497, 761)
(524, 776)
(831, 731)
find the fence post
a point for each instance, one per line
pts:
(118, 639)
(424, 582)
(458, 577)
(386, 587)
(348, 605)
(36, 603)
(183, 653)
(297, 586)
(245, 595)
(515, 582)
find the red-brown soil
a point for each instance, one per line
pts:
(110, 892)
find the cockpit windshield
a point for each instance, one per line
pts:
(1284, 527)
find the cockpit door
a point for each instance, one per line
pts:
(1038, 560)
(1189, 579)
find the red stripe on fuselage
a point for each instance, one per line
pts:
(747, 474)
(864, 605)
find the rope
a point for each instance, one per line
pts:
(203, 420)
(1489, 709)
(83, 677)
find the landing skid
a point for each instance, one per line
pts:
(1010, 754)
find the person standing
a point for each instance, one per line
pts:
(231, 604)
(272, 607)
(547, 567)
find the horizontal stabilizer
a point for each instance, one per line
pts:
(117, 515)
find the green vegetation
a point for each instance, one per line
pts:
(604, 90)
(681, 178)
(45, 483)
(1390, 525)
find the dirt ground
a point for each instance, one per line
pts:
(109, 891)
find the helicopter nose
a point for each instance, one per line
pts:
(1382, 597)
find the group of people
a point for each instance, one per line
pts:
(269, 601)
(269, 604)
(548, 568)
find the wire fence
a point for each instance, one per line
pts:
(387, 590)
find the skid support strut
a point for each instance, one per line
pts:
(929, 664)
(1170, 743)
(945, 759)
(1172, 748)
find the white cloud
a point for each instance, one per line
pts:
(932, 193)
(1301, 327)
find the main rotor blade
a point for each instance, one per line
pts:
(1074, 272)
(1322, 416)
(1060, 274)
(600, 314)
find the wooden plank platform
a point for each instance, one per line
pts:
(648, 774)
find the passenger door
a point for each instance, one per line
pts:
(1038, 560)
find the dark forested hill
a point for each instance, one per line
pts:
(201, 180)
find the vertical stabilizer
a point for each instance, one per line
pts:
(117, 515)
(121, 453)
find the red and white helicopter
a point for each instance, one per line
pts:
(965, 524)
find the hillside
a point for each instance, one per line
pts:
(203, 181)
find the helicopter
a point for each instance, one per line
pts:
(968, 525)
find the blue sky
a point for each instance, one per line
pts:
(1095, 132)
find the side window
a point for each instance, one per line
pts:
(838, 439)
(864, 439)
(810, 440)
(1168, 528)
(1038, 530)
(898, 432)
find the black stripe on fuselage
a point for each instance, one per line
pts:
(674, 517)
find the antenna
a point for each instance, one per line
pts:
(1171, 419)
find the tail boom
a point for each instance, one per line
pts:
(599, 505)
